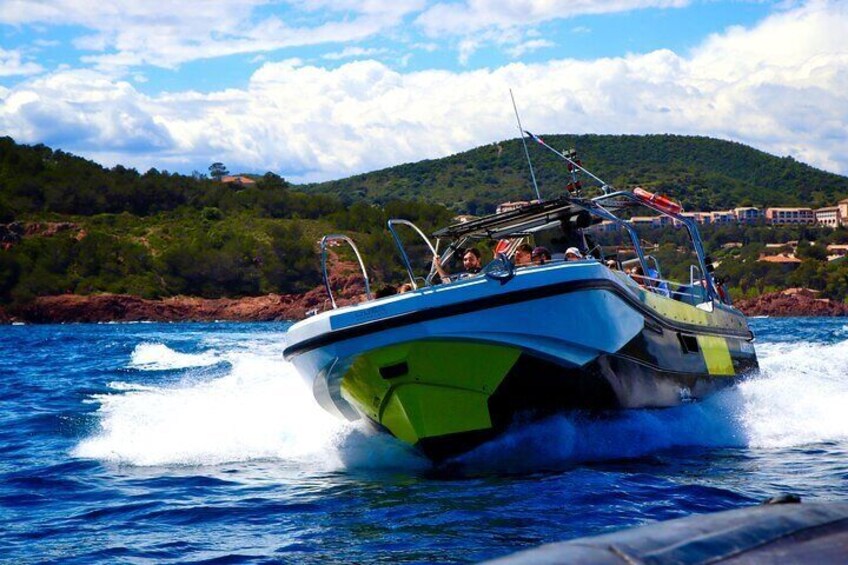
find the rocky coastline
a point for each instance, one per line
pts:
(74, 308)
(792, 302)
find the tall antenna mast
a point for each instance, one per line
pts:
(524, 143)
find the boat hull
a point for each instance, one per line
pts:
(447, 368)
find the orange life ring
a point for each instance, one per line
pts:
(664, 203)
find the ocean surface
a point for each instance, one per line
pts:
(198, 443)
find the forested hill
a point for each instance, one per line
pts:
(703, 173)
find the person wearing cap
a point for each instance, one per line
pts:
(540, 255)
(523, 255)
(573, 254)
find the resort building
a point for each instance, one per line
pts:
(509, 206)
(747, 214)
(699, 217)
(790, 216)
(836, 251)
(650, 221)
(722, 217)
(829, 216)
(843, 211)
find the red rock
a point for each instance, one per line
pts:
(794, 302)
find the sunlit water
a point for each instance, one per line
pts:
(198, 442)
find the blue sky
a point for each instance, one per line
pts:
(313, 89)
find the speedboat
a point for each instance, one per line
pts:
(447, 366)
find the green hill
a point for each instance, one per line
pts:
(703, 173)
(68, 224)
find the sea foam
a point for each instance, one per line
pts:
(261, 409)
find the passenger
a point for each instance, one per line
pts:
(661, 286)
(638, 275)
(470, 261)
(384, 291)
(540, 255)
(523, 255)
(404, 288)
(573, 254)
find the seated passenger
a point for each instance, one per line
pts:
(661, 286)
(573, 254)
(638, 275)
(523, 255)
(384, 291)
(470, 261)
(404, 288)
(540, 255)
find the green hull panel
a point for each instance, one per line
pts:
(402, 387)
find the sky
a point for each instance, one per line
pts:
(316, 90)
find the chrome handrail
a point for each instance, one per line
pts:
(341, 237)
(391, 225)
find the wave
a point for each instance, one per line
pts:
(262, 410)
(797, 399)
(160, 357)
(259, 410)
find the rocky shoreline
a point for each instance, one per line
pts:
(74, 308)
(792, 302)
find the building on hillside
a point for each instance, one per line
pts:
(606, 226)
(790, 216)
(829, 216)
(509, 206)
(747, 214)
(781, 258)
(650, 221)
(699, 217)
(238, 180)
(722, 217)
(843, 211)
(836, 251)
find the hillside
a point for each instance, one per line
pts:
(69, 225)
(703, 173)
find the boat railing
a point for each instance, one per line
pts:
(398, 222)
(693, 293)
(325, 241)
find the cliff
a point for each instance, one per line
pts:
(792, 302)
(69, 308)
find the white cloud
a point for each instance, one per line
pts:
(521, 49)
(354, 53)
(12, 64)
(128, 33)
(308, 122)
(460, 18)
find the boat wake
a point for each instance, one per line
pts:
(259, 409)
(160, 357)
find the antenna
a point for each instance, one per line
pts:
(524, 143)
(567, 158)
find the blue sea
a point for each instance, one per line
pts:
(198, 443)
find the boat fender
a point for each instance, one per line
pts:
(662, 202)
(501, 269)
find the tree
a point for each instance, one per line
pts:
(218, 170)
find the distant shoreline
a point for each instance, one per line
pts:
(75, 308)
